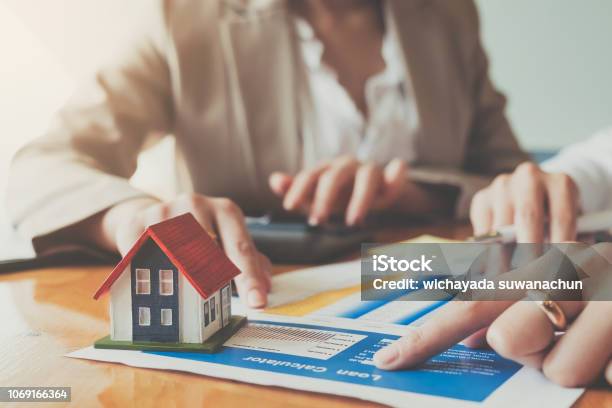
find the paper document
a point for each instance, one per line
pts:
(336, 358)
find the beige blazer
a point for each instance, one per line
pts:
(224, 77)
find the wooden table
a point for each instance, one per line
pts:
(47, 313)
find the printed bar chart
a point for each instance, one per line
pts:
(297, 341)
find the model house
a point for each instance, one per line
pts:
(173, 286)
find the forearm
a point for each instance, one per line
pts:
(99, 230)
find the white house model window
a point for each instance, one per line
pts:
(213, 309)
(144, 316)
(166, 283)
(166, 317)
(143, 282)
(226, 305)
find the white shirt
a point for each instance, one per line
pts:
(589, 164)
(338, 127)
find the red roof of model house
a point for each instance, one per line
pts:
(189, 248)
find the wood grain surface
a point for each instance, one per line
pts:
(49, 312)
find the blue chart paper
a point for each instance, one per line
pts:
(346, 356)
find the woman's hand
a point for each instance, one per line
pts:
(342, 184)
(121, 225)
(519, 331)
(526, 198)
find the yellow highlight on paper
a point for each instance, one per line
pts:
(313, 303)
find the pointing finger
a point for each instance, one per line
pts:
(279, 183)
(563, 207)
(528, 192)
(251, 283)
(394, 179)
(331, 183)
(449, 325)
(367, 185)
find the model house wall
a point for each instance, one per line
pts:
(192, 327)
(121, 307)
(189, 312)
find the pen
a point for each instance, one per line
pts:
(586, 223)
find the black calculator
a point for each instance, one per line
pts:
(289, 239)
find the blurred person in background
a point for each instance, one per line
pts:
(342, 106)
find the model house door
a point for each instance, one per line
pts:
(154, 296)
